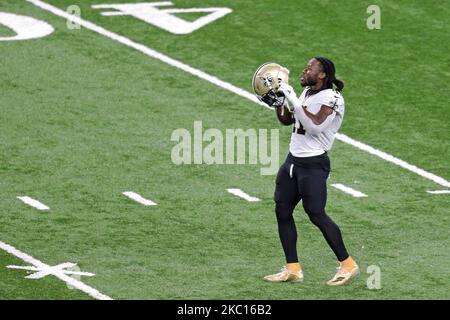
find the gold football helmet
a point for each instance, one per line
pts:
(266, 81)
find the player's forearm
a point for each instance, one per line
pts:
(310, 125)
(308, 120)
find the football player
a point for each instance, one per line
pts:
(316, 116)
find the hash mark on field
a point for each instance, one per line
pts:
(227, 86)
(34, 203)
(44, 269)
(351, 191)
(439, 191)
(138, 198)
(241, 194)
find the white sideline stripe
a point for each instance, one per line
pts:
(34, 203)
(391, 158)
(225, 85)
(439, 192)
(241, 194)
(149, 52)
(351, 191)
(57, 273)
(138, 198)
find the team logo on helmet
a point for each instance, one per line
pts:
(267, 80)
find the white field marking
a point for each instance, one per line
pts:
(394, 160)
(241, 194)
(147, 51)
(40, 273)
(227, 86)
(439, 191)
(34, 203)
(25, 27)
(351, 191)
(138, 198)
(57, 272)
(163, 18)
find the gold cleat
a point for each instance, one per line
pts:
(285, 275)
(343, 275)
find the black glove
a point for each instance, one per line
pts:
(273, 99)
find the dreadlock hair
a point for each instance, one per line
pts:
(330, 70)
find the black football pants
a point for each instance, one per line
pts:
(305, 179)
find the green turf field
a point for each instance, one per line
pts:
(85, 118)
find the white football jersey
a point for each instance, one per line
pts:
(304, 144)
